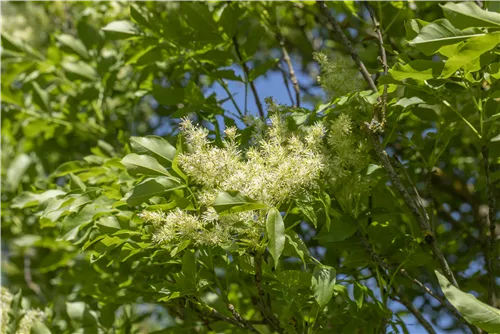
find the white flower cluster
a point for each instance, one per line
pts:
(278, 168)
(6, 301)
(29, 318)
(338, 76)
(348, 156)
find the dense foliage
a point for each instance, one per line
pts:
(153, 182)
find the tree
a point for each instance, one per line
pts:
(142, 193)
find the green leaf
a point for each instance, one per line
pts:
(156, 146)
(440, 33)
(294, 279)
(77, 183)
(262, 69)
(417, 70)
(168, 95)
(39, 328)
(413, 27)
(307, 209)
(358, 293)
(340, 229)
(16, 170)
(108, 224)
(295, 246)
(231, 202)
(75, 45)
(175, 165)
(41, 97)
(225, 74)
(469, 52)
(275, 228)
(80, 312)
(229, 20)
(121, 29)
(474, 311)
(405, 102)
(147, 56)
(80, 70)
(322, 284)
(467, 14)
(143, 164)
(187, 277)
(201, 21)
(152, 187)
(28, 199)
(140, 15)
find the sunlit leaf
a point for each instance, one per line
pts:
(322, 284)
(440, 33)
(276, 234)
(476, 312)
(468, 14)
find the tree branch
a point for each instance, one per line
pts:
(421, 218)
(266, 307)
(491, 233)
(440, 299)
(240, 319)
(247, 73)
(383, 55)
(378, 261)
(29, 279)
(415, 312)
(285, 81)
(293, 77)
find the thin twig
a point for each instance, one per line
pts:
(293, 77)
(431, 293)
(266, 307)
(247, 73)
(440, 299)
(383, 55)
(415, 312)
(432, 201)
(491, 258)
(238, 317)
(209, 311)
(421, 218)
(29, 279)
(479, 3)
(215, 314)
(285, 81)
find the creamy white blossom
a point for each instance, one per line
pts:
(29, 318)
(280, 166)
(6, 301)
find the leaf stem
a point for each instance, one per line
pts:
(415, 312)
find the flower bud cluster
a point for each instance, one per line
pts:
(338, 76)
(278, 168)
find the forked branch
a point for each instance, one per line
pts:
(412, 204)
